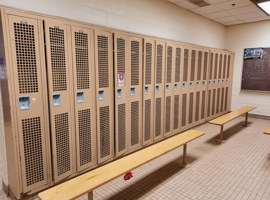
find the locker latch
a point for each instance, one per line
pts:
(80, 97)
(190, 85)
(184, 86)
(209, 82)
(175, 86)
(56, 99)
(24, 102)
(101, 95)
(146, 90)
(157, 88)
(132, 91)
(203, 83)
(197, 84)
(218, 82)
(214, 82)
(222, 82)
(227, 81)
(119, 93)
(167, 88)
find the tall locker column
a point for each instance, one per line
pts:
(105, 97)
(229, 79)
(61, 97)
(177, 87)
(148, 91)
(159, 90)
(210, 86)
(219, 84)
(223, 82)
(27, 72)
(84, 96)
(169, 89)
(204, 84)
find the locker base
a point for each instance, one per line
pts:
(5, 188)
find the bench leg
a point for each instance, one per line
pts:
(184, 163)
(221, 135)
(90, 196)
(246, 121)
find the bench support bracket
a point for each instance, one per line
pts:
(221, 135)
(246, 121)
(90, 196)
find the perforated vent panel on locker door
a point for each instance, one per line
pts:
(104, 131)
(205, 65)
(176, 112)
(158, 117)
(220, 66)
(148, 63)
(147, 120)
(85, 143)
(185, 71)
(121, 127)
(226, 98)
(190, 118)
(103, 63)
(222, 100)
(184, 105)
(26, 58)
(159, 64)
(203, 104)
(134, 123)
(135, 54)
(121, 55)
(224, 66)
(213, 101)
(199, 71)
(197, 106)
(211, 66)
(192, 70)
(177, 64)
(168, 114)
(216, 66)
(218, 100)
(169, 65)
(209, 103)
(228, 66)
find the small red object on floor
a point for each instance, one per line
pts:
(128, 176)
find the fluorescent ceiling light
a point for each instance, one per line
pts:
(265, 6)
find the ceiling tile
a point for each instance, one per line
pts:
(234, 22)
(207, 9)
(213, 2)
(245, 9)
(238, 4)
(218, 15)
(251, 15)
(257, 19)
(226, 19)
(187, 5)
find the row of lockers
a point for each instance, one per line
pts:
(81, 95)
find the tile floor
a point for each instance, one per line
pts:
(238, 169)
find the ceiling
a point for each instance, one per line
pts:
(227, 12)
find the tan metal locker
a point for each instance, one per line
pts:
(229, 80)
(26, 79)
(60, 87)
(169, 89)
(210, 87)
(84, 96)
(159, 90)
(148, 90)
(177, 87)
(105, 96)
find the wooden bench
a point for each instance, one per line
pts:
(87, 182)
(230, 116)
(267, 131)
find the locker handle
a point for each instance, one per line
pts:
(157, 88)
(197, 84)
(24, 102)
(146, 90)
(132, 91)
(218, 82)
(209, 82)
(80, 97)
(214, 82)
(203, 83)
(101, 94)
(227, 81)
(190, 85)
(222, 82)
(119, 93)
(57, 100)
(184, 86)
(167, 88)
(175, 86)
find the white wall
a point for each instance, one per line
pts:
(243, 36)
(150, 17)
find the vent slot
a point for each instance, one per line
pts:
(26, 58)
(213, 101)
(184, 108)
(211, 66)
(147, 120)
(135, 62)
(185, 72)
(168, 114)
(197, 106)
(62, 143)
(148, 63)
(135, 123)
(199, 3)
(158, 118)
(32, 142)
(121, 127)
(220, 66)
(228, 66)
(82, 60)
(192, 71)
(103, 61)
(209, 103)
(191, 108)
(216, 66)
(218, 100)
(224, 66)
(104, 131)
(222, 100)
(58, 59)
(85, 137)
(177, 64)
(199, 66)
(169, 64)
(205, 65)
(121, 55)
(203, 104)
(159, 64)
(226, 98)
(176, 112)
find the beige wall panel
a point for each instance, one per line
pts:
(148, 90)
(105, 96)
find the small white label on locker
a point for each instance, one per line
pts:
(121, 79)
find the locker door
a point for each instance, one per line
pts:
(31, 105)
(135, 93)
(60, 98)
(198, 87)
(219, 84)
(122, 106)
(204, 84)
(149, 91)
(185, 89)
(177, 90)
(105, 97)
(223, 81)
(210, 86)
(84, 88)
(169, 89)
(230, 79)
(159, 90)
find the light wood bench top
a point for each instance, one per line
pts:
(267, 131)
(87, 182)
(232, 115)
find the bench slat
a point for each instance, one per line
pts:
(230, 116)
(267, 131)
(87, 182)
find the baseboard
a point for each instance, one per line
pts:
(259, 116)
